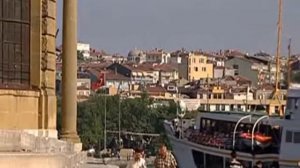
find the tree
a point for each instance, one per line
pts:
(80, 55)
(136, 115)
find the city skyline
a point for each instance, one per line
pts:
(118, 26)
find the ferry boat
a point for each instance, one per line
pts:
(254, 136)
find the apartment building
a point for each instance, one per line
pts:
(195, 66)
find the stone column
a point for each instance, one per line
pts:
(69, 72)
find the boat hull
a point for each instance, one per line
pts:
(182, 151)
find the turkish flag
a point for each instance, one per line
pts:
(99, 83)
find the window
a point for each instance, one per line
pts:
(218, 107)
(194, 60)
(204, 69)
(235, 66)
(288, 136)
(196, 69)
(296, 137)
(223, 107)
(290, 103)
(201, 60)
(14, 43)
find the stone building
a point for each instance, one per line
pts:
(27, 66)
(28, 136)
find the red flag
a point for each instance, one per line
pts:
(99, 83)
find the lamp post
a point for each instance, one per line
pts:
(119, 118)
(105, 102)
(181, 115)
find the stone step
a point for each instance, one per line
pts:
(37, 160)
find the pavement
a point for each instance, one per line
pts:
(111, 163)
(96, 163)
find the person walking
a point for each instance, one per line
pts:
(258, 164)
(138, 160)
(164, 158)
(234, 162)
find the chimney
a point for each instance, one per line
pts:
(116, 70)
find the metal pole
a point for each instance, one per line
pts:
(177, 102)
(105, 102)
(181, 132)
(236, 125)
(119, 118)
(289, 64)
(253, 129)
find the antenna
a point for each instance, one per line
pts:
(289, 64)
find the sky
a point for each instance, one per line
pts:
(118, 26)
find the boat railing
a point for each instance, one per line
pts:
(225, 141)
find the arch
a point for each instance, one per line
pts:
(236, 125)
(253, 129)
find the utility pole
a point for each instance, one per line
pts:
(289, 63)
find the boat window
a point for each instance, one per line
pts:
(297, 101)
(296, 137)
(289, 136)
(214, 161)
(203, 123)
(289, 103)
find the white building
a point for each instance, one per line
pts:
(158, 56)
(85, 49)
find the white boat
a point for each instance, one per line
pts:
(217, 134)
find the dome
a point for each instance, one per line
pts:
(135, 53)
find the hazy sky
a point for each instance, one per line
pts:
(249, 25)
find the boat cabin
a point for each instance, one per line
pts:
(233, 131)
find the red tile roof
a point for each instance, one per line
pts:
(112, 75)
(155, 89)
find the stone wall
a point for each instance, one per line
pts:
(21, 148)
(20, 141)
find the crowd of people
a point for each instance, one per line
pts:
(235, 163)
(219, 140)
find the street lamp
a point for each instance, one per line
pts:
(181, 115)
(105, 102)
(119, 116)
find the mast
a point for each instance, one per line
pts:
(289, 64)
(278, 51)
(277, 94)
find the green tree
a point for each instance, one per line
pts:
(80, 55)
(136, 115)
